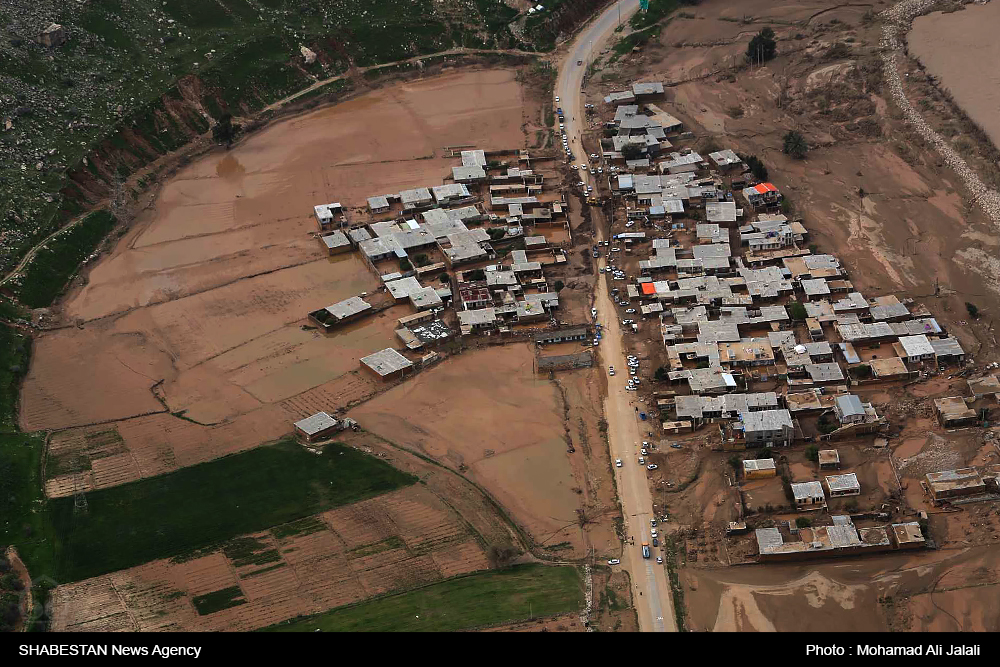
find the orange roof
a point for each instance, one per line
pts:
(765, 187)
(648, 288)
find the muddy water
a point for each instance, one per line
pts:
(961, 49)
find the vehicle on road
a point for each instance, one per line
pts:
(652, 522)
(579, 62)
(629, 311)
(593, 156)
(596, 255)
(644, 452)
(653, 533)
(592, 172)
(675, 446)
(652, 466)
(557, 99)
(642, 416)
(614, 561)
(618, 463)
(596, 342)
(656, 542)
(611, 370)
(659, 561)
(642, 461)
(593, 312)
(645, 550)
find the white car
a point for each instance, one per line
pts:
(600, 170)
(644, 452)
(557, 98)
(652, 522)
(582, 166)
(596, 342)
(641, 460)
(590, 188)
(616, 250)
(653, 533)
(614, 561)
(593, 312)
(592, 172)
(561, 126)
(618, 463)
(659, 561)
(581, 184)
(629, 224)
(593, 156)
(611, 370)
(652, 466)
(629, 311)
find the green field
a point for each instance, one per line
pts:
(202, 506)
(53, 265)
(522, 592)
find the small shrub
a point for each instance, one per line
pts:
(803, 522)
(973, 310)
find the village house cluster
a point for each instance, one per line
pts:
(765, 339)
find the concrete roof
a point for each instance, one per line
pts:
(480, 316)
(803, 490)
(766, 420)
(404, 287)
(949, 480)
(824, 372)
(915, 346)
(387, 361)
(944, 347)
(315, 423)
(381, 201)
(845, 482)
(649, 88)
(828, 456)
(348, 307)
(476, 158)
(414, 196)
(720, 211)
(751, 465)
(336, 240)
(467, 173)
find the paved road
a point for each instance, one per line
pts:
(651, 592)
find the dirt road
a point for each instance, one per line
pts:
(652, 592)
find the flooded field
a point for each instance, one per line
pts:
(190, 341)
(961, 49)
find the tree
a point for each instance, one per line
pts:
(803, 522)
(478, 274)
(662, 374)
(757, 167)
(496, 233)
(795, 144)
(421, 260)
(736, 462)
(558, 286)
(405, 265)
(224, 131)
(632, 152)
(862, 372)
(762, 47)
(812, 453)
(765, 453)
(973, 310)
(797, 311)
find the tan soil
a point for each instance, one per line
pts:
(960, 49)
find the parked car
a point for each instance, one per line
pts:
(641, 460)
(659, 561)
(557, 99)
(629, 311)
(675, 446)
(614, 561)
(656, 543)
(652, 466)
(611, 370)
(652, 522)
(618, 463)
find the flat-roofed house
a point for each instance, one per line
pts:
(379, 204)
(327, 215)
(336, 243)
(955, 483)
(829, 459)
(808, 494)
(953, 412)
(916, 348)
(767, 427)
(316, 427)
(726, 160)
(387, 364)
(843, 485)
(759, 468)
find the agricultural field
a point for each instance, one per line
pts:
(489, 415)
(520, 593)
(169, 515)
(400, 540)
(195, 324)
(135, 80)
